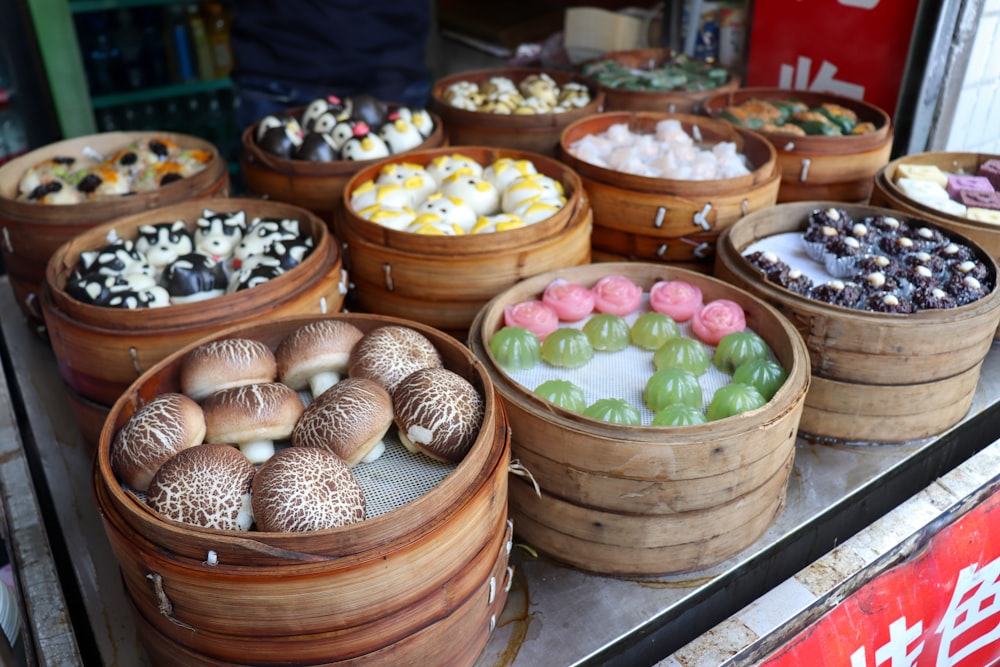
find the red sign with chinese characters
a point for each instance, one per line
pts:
(855, 48)
(940, 608)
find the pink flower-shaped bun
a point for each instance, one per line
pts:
(535, 316)
(716, 319)
(572, 302)
(677, 298)
(616, 295)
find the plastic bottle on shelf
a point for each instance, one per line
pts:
(218, 38)
(199, 38)
(101, 53)
(180, 51)
(154, 52)
(128, 38)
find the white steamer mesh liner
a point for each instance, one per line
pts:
(790, 248)
(620, 374)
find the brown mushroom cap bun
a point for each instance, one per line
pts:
(158, 430)
(305, 488)
(207, 485)
(349, 419)
(316, 354)
(224, 363)
(390, 353)
(252, 417)
(438, 412)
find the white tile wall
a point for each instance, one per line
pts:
(976, 123)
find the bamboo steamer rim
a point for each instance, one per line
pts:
(795, 358)
(946, 160)
(866, 111)
(323, 545)
(178, 316)
(796, 220)
(104, 209)
(647, 58)
(542, 121)
(490, 243)
(764, 162)
(256, 156)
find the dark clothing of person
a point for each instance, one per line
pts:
(289, 52)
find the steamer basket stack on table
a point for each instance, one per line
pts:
(897, 313)
(306, 156)
(379, 532)
(653, 410)
(521, 108)
(124, 294)
(959, 191)
(657, 80)
(829, 147)
(433, 235)
(663, 186)
(51, 194)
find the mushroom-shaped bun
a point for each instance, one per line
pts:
(349, 419)
(157, 431)
(316, 354)
(390, 353)
(252, 417)
(438, 412)
(305, 488)
(207, 485)
(224, 363)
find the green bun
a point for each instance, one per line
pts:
(732, 399)
(678, 415)
(738, 347)
(567, 348)
(765, 375)
(686, 353)
(516, 348)
(614, 411)
(563, 393)
(652, 329)
(672, 385)
(607, 332)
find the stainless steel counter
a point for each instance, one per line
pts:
(555, 615)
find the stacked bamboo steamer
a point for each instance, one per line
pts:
(887, 193)
(443, 281)
(644, 500)
(818, 167)
(533, 132)
(101, 350)
(417, 582)
(32, 232)
(876, 377)
(315, 186)
(666, 219)
(678, 100)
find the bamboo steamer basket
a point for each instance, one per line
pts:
(876, 377)
(617, 99)
(538, 133)
(820, 167)
(648, 500)
(30, 233)
(443, 281)
(886, 193)
(663, 219)
(421, 583)
(315, 186)
(102, 350)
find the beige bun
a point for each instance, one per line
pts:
(390, 353)
(349, 419)
(439, 413)
(315, 356)
(158, 430)
(252, 417)
(225, 363)
(328, 494)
